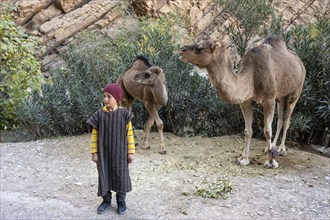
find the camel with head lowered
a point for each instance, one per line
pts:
(145, 82)
(268, 72)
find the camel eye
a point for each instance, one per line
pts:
(199, 49)
(146, 75)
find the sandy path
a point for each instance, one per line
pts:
(55, 179)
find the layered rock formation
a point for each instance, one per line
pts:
(58, 21)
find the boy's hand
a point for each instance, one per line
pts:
(94, 157)
(130, 158)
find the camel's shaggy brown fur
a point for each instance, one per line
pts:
(145, 82)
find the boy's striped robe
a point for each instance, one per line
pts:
(112, 148)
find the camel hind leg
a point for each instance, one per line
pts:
(268, 107)
(153, 116)
(279, 126)
(291, 103)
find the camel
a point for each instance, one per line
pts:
(145, 82)
(268, 72)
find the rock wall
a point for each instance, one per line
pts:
(58, 21)
(55, 31)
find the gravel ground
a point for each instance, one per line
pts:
(56, 179)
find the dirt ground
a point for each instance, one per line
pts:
(55, 179)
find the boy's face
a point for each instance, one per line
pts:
(109, 101)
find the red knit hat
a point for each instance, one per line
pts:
(114, 89)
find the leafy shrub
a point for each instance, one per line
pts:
(247, 27)
(19, 67)
(312, 44)
(73, 93)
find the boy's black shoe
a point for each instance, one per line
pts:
(121, 207)
(103, 207)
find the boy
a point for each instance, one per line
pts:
(112, 148)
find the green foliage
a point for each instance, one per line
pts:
(312, 44)
(214, 189)
(73, 93)
(20, 69)
(252, 18)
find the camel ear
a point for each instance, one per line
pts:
(155, 69)
(215, 45)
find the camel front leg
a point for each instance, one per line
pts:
(149, 124)
(268, 107)
(248, 117)
(160, 127)
(153, 114)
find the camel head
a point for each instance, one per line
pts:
(199, 54)
(150, 77)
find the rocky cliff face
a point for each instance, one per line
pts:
(58, 21)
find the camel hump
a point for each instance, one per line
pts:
(143, 59)
(275, 41)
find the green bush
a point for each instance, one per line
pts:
(312, 44)
(19, 67)
(73, 93)
(253, 20)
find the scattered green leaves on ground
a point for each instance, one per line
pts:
(213, 189)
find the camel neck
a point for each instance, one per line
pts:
(160, 94)
(231, 87)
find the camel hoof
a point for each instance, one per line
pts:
(271, 164)
(283, 153)
(146, 148)
(273, 153)
(162, 152)
(242, 162)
